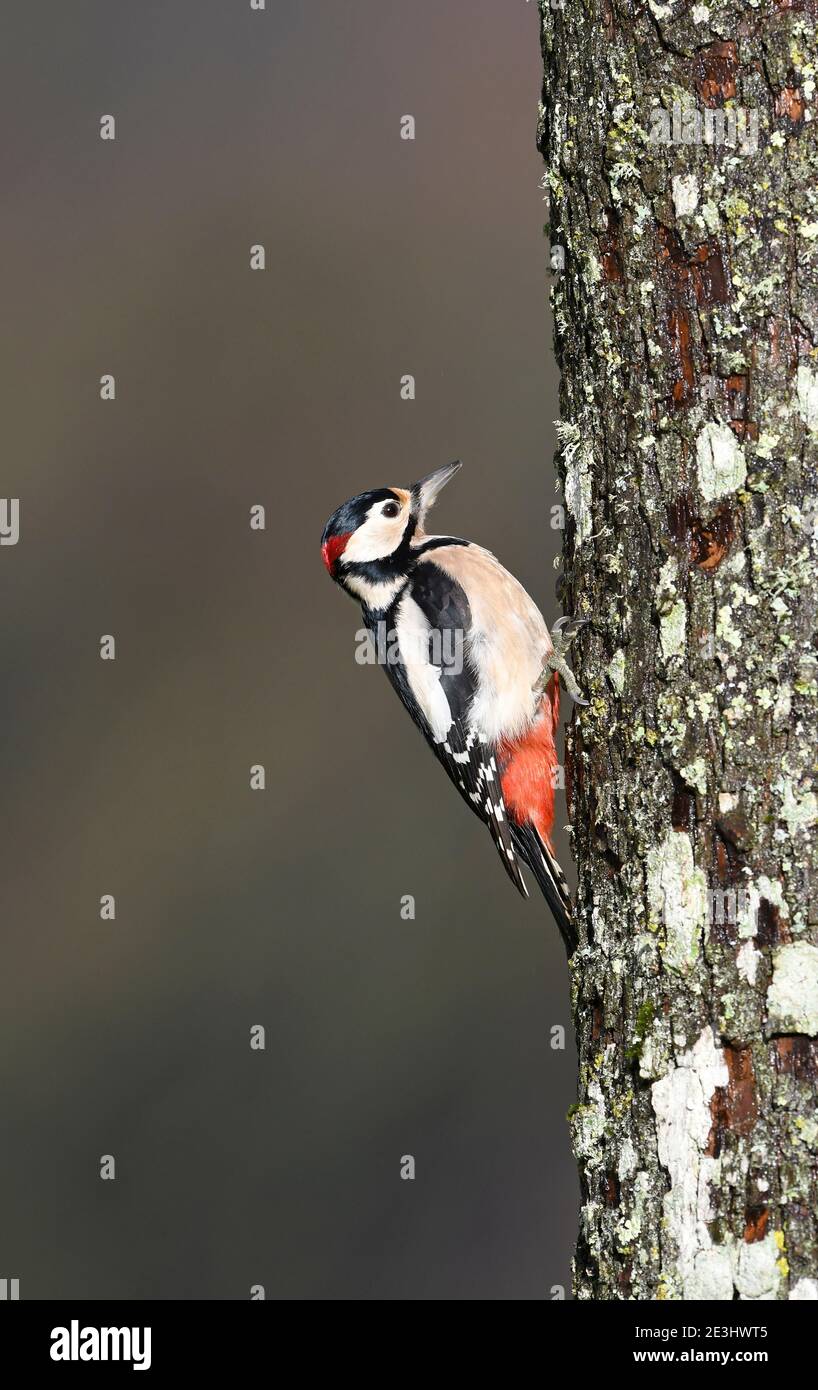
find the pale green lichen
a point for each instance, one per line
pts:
(672, 627)
(806, 1290)
(577, 460)
(722, 468)
(627, 1160)
(725, 629)
(757, 1272)
(806, 1129)
(772, 890)
(766, 444)
(798, 808)
(588, 1126)
(677, 898)
(747, 961)
(685, 190)
(695, 774)
(616, 671)
(792, 998)
(681, 1102)
(807, 392)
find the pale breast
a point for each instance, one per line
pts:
(506, 644)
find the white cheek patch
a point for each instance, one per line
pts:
(378, 537)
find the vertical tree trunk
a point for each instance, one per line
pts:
(681, 144)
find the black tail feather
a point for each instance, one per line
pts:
(543, 865)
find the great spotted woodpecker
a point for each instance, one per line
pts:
(491, 717)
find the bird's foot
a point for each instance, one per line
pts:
(562, 635)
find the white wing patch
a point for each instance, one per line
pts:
(413, 631)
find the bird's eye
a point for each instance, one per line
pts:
(391, 509)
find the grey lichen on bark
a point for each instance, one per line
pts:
(681, 151)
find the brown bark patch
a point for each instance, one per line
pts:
(679, 335)
(797, 6)
(672, 256)
(706, 543)
(728, 854)
(736, 387)
(611, 268)
(770, 929)
(683, 809)
(679, 515)
(744, 429)
(597, 1020)
(707, 275)
(703, 267)
(609, 248)
(724, 916)
(710, 542)
(797, 1056)
(695, 277)
(741, 1089)
(790, 104)
(734, 829)
(714, 72)
(733, 1107)
(755, 1224)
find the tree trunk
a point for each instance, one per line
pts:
(682, 163)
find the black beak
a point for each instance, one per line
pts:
(425, 492)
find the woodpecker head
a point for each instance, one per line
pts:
(366, 542)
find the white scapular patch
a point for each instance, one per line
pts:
(413, 631)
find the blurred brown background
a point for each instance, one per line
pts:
(384, 1037)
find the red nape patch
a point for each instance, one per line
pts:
(333, 549)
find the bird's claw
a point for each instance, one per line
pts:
(562, 635)
(567, 636)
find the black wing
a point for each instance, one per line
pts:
(469, 762)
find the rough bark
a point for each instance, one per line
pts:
(686, 325)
